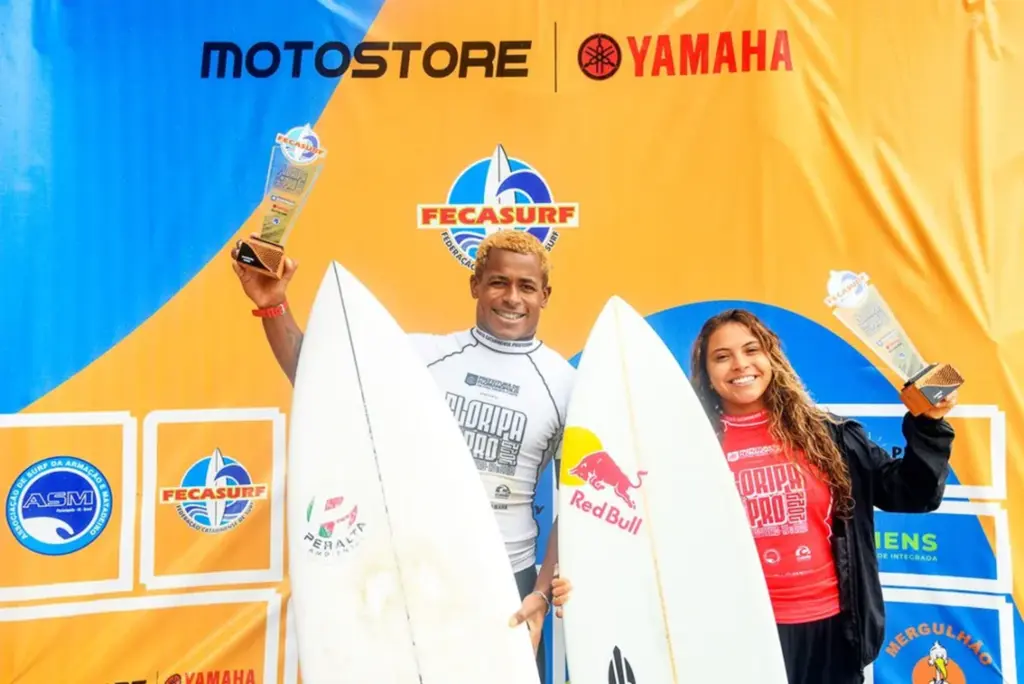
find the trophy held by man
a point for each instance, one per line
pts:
(296, 160)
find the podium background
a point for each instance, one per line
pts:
(893, 146)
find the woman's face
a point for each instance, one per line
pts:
(739, 368)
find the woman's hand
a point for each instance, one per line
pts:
(942, 408)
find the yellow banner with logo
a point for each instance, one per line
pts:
(686, 156)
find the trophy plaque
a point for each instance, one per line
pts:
(296, 160)
(861, 308)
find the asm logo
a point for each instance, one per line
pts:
(619, 669)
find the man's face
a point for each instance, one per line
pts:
(510, 294)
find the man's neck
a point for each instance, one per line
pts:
(501, 344)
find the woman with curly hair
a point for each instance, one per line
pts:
(818, 551)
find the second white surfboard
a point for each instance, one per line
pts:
(667, 584)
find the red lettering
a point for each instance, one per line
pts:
(781, 54)
(779, 476)
(766, 510)
(725, 56)
(745, 483)
(663, 57)
(761, 481)
(613, 515)
(758, 49)
(639, 53)
(752, 512)
(693, 56)
(796, 507)
(564, 214)
(605, 512)
(695, 50)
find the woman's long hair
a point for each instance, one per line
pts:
(794, 419)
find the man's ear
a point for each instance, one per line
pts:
(472, 286)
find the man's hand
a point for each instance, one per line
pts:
(264, 290)
(532, 612)
(560, 590)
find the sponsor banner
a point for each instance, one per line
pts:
(732, 154)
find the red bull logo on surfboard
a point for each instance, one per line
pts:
(601, 487)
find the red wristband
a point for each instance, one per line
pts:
(271, 311)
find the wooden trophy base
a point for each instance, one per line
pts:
(929, 387)
(262, 255)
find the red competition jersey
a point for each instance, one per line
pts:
(790, 516)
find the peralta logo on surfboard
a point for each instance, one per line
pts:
(497, 193)
(601, 488)
(941, 653)
(215, 495)
(333, 527)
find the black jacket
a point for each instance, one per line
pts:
(912, 484)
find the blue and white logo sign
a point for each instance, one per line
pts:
(215, 495)
(847, 289)
(300, 145)
(492, 194)
(59, 505)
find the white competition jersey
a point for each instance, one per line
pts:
(510, 400)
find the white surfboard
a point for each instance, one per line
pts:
(398, 571)
(667, 584)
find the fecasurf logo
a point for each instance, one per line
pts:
(600, 55)
(496, 193)
(215, 494)
(371, 59)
